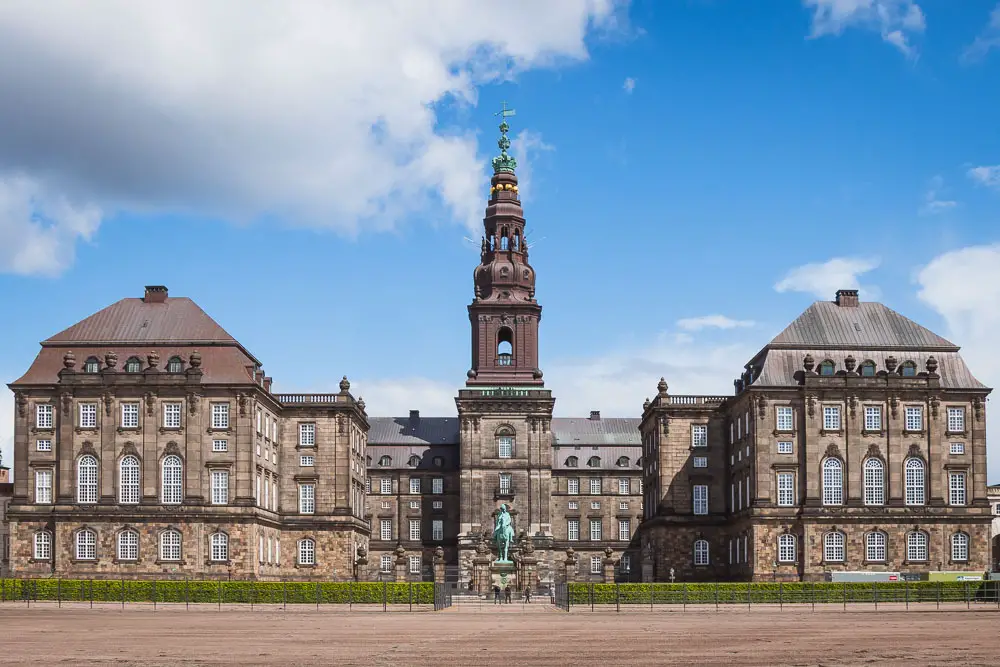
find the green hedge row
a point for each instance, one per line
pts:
(744, 593)
(245, 592)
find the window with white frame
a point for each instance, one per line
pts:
(505, 482)
(219, 547)
(916, 546)
(43, 545)
(414, 485)
(784, 447)
(385, 529)
(128, 480)
(956, 420)
(385, 485)
(914, 481)
(385, 563)
(505, 446)
(437, 530)
(833, 482)
(596, 529)
(259, 423)
(701, 462)
(170, 545)
(307, 498)
(786, 548)
(130, 415)
(573, 529)
(267, 492)
(220, 487)
(873, 418)
(171, 480)
(624, 530)
(220, 416)
(128, 545)
(831, 418)
(914, 420)
(43, 415)
(437, 504)
(573, 486)
(875, 547)
(701, 552)
(595, 504)
(573, 505)
(623, 505)
(874, 491)
(86, 479)
(786, 489)
(700, 499)
(625, 564)
(957, 448)
(623, 486)
(307, 461)
(595, 565)
(368, 485)
(171, 415)
(43, 487)
(307, 552)
(43, 445)
(595, 486)
(414, 530)
(415, 564)
(833, 547)
(960, 547)
(307, 435)
(783, 418)
(699, 435)
(88, 415)
(86, 544)
(437, 485)
(956, 488)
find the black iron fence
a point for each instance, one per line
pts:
(442, 596)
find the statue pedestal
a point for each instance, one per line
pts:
(502, 573)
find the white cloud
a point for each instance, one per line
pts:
(933, 201)
(963, 286)
(629, 85)
(712, 322)
(986, 41)
(897, 21)
(321, 113)
(987, 176)
(525, 147)
(7, 428)
(824, 279)
(396, 397)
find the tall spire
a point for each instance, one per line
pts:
(504, 162)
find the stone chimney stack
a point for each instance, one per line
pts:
(155, 294)
(595, 415)
(414, 418)
(847, 298)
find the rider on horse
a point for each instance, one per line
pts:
(503, 533)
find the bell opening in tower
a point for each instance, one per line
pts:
(505, 347)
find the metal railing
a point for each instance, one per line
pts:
(308, 398)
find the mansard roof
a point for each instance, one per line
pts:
(444, 431)
(600, 431)
(400, 455)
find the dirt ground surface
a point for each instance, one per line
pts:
(487, 635)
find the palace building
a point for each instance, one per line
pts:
(149, 442)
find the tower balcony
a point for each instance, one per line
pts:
(505, 359)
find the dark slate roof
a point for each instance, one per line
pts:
(608, 455)
(603, 431)
(780, 367)
(400, 455)
(868, 325)
(421, 431)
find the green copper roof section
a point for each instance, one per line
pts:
(504, 162)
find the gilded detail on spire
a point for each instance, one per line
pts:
(504, 162)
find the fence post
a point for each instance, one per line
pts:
(123, 593)
(385, 588)
(684, 597)
(411, 596)
(845, 596)
(939, 596)
(317, 596)
(906, 589)
(968, 600)
(154, 594)
(187, 594)
(717, 596)
(59, 591)
(781, 595)
(284, 594)
(618, 604)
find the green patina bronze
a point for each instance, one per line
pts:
(503, 534)
(504, 162)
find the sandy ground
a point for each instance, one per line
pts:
(506, 635)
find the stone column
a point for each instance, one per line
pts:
(400, 563)
(439, 566)
(483, 578)
(569, 566)
(609, 563)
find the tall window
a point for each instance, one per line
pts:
(874, 482)
(595, 530)
(170, 545)
(831, 418)
(505, 482)
(573, 529)
(171, 491)
(130, 415)
(307, 435)
(786, 548)
(43, 416)
(307, 552)
(700, 499)
(128, 480)
(414, 564)
(956, 420)
(914, 418)
(385, 530)
(86, 544)
(505, 446)
(43, 545)
(307, 498)
(956, 488)
(786, 489)
(784, 418)
(414, 485)
(914, 474)
(875, 547)
(171, 415)
(128, 545)
(385, 563)
(701, 552)
(699, 435)
(220, 487)
(833, 547)
(437, 485)
(833, 482)
(437, 530)
(873, 418)
(414, 530)
(573, 486)
(385, 485)
(43, 486)
(595, 564)
(219, 547)
(220, 416)
(623, 486)
(960, 547)
(86, 479)
(595, 486)
(916, 546)
(624, 530)
(88, 415)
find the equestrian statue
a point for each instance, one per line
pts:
(503, 534)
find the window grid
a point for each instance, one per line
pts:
(874, 482)
(573, 486)
(170, 545)
(914, 482)
(171, 415)
(699, 435)
(914, 418)
(573, 529)
(784, 418)
(385, 563)
(956, 488)
(307, 552)
(505, 446)
(307, 498)
(595, 486)
(595, 530)
(831, 418)
(86, 545)
(172, 480)
(875, 547)
(414, 530)
(833, 547)
(220, 445)
(128, 480)
(701, 552)
(130, 415)
(385, 485)
(957, 448)
(595, 564)
(220, 417)
(86, 480)
(307, 435)
(437, 530)
(623, 486)
(43, 416)
(786, 489)
(873, 418)
(437, 485)
(219, 547)
(128, 545)
(43, 486)
(505, 482)
(88, 415)
(43, 546)
(701, 462)
(960, 547)
(700, 499)
(220, 487)
(414, 485)
(306, 461)
(833, 482)
(786, 549)
(415, 562)
(385, 529)
(956, 420)
(43, 445)
(916, 546)
(784, 447)
(624, 530)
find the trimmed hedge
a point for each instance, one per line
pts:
(226, 592)
(790, 593)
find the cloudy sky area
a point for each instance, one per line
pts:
(695, 174)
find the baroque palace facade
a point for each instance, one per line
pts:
(148, 442)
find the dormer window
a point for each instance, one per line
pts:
(622, 462)
(385, 461)
(868, 369)
(594, 462)
(91, 365)
(826, 368)
(572, 462)
(908, 369)
(438, 462)
(133, 365)
(175, 365)
(414, 461)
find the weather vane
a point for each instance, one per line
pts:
(504, 162)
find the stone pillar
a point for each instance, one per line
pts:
(360, 562)
(647, 563)
(483, 577)
(400, 563)
(439, 566)
(569, 566)
(609, 563)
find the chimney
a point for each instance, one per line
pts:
(414, 417)
(595, 415)
(847, 298)
(155, 294)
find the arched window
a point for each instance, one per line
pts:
(786, 548)
(175, 365)
(914, 474)
(874, 482)
(172, 483)
(505, 347)
(826, 368)
(307, 552)
(960, 547)
(86, 544)
(414, 461)
(86, 479)
(91, 365)
(622, 462)
(170, 545)
(128, 480)
(868, 369)
(128, 545)
(833, 482)
(594, 462)
(133, 365)
(385, 461)
(908, 369)
(43, 545)
(916, 546)
(833, 547)
(572, 462)
(701, 552)
(219, 547)
(504, 241)
(505, 444)
(875, 547)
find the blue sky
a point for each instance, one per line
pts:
(680, 160)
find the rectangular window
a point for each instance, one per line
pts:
(595, 504)
(624, 530)
(699, 435)
(623, 505)
(505, 446)
(831, 418)
(43, 445)
(385, 485)
(385, 563)
(386, 505)
(437, 485)
(414, 504)
(956, 420)
(956, 488)
(414, 485)
(914, 418)
(786, 489)
(784, 418)
(437, 530)
(505, 482)
(414, 564)
(258, 423)
(701, 462)
(267, 492)
(43, 416)
(873, 418)
(437, 504)
(573, 530)
(623, 486)
(573, 486)
(701, 499)
(88, 415)
(307, 461)
(785, 447)
(414, 530)
(574, 505)
(595, 564)
(274, 496)
(595, 486)
(626, 563)
(43, 486)
(256, 491)
(220, 487)
(220, 415)
(385, 530)
(130, 415)
(171, 415)
(220, 446)
(957, 448)
(307, 435)
(595, 530)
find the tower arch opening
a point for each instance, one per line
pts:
(505, 347)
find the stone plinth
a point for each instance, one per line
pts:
(439, 566)
(569, 566)
(502, 574)
(609, 563)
